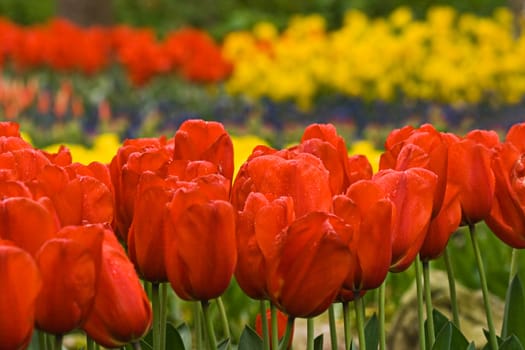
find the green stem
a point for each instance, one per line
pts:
(58, 342)
(212, 340)
(163, 314)
(452, 288)
(275, 327)
(428, 303)
(157, 319)
(333, 327)
(359, 312)
(264, 322)
(513, 264)
(42, 340)
(198, 325)
(346, 324)
(420, 307)
(483, 280)
(224, 320)
(310, 333)
(381, 312)
(90, 344)
(287, 338)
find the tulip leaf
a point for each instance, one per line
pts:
(173, 338)
(440, 320)
(250, 340)
(318, 342)
(185, 333)
(147, 341)
(487, 336)
(224, 344)
(471, 346)
(511, 343)
(513, 320)
(450, 338)
(372, 332)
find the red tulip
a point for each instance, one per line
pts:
(26, 222)
(411, 191)
(507, 215)
(132, 159)
(423, 147)
(258, 239)
(21, 282)
(121, 312)
(202, 140)
(70, 267)
(310, 266)
(301, 176)
(369, 213)
(199, 220)
(470, 171)
(322, 141)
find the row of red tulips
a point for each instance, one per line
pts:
(64, 47)
(302, 227)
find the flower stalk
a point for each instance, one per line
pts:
(452, 288)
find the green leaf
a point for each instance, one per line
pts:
(471, 346)
(318, 342)
(147, 342)
(450, 338)
(224, 344)
(250, 340)
(513, 320)
(487, 346)
(173, 338)
(352, 345)
(440, 321)
(511, 343)
(185, 333)
(372, 332)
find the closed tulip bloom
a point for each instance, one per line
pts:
(26, 222)
(121, 312)
(301, 176)
(507, 215)
(21, 282)
(201, 251)
(70, 267)
(258, 240)
(323, 141)
(411, 192)
(133, 158)
(423, 147)
(311, 265)
(369, 213)
(205, 140)
(471, 172)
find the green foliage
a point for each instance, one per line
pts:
(513, 320)
(250, 340)
(372, 332)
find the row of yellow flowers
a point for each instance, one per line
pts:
(447, 57)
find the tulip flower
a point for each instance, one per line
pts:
(21, 282)
(26, 222)
(507, 215)
(470, 171)
(307, 269)
(199, 220)
(369, 213)
(121, 312)
(201, 140)
(411, 191)
(132, 159)
(70, 267)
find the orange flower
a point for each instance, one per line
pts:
(369, 213)
(21, 283)
(202, 140)
(121, 312)
(197, 219)
(412, 193)
(70, 267)
(470, 171)
(507, 215)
